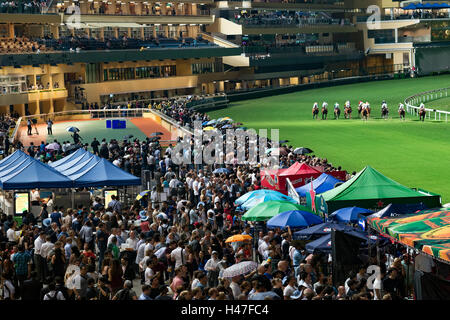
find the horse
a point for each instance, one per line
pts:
(348, 112)
(360, 109)
(384, 113)
(315, 112)
(324, 113)
(368, 111)
(422, 114)
(365, 114)
(337, 113)
(401, 113)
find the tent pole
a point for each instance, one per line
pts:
(73, 199)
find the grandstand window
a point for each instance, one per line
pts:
(108, 33)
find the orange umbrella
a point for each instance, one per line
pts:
(238, 237)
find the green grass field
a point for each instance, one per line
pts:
(440, 104)
(413, 153)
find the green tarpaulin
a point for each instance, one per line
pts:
(428, 231)
(372, 190)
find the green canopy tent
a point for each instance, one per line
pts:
(372, 190)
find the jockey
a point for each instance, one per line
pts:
(367, 105)
(324, 105)
(384, 105)
(315, 106)
(422, 107)
(361, 103)
(336, 106)
(401, 107)
(347, 104)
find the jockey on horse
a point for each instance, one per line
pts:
(337, 111)
(368, 109)
(347, 110)
(422, 112)
(364, 111)
(384, 110)
(324, 110)
(360, 107)
(401, 111)
(315, 110)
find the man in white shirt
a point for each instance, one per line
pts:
(149, 273)
(263, 248)
(11, 233)
(290, 288)
(46, 248)
(234, 285)
(179, 255)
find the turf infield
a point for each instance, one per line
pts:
(416, 154)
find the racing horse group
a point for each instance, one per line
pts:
(364, 111)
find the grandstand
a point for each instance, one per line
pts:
(116, 51)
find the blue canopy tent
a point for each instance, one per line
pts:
(320, 230)
(103, 173)
(32, 173)
(13, 158)
(349, 214)
(70, 157)
(323, 244)
(323, 183)
(81, 166)
(74, 161)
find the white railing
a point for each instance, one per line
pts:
(414, 100)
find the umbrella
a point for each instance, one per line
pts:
(294, 219)
(242, 128)
(209, 129)
(227, 126)
(143, 194)
(222, 170)
(52, 146)
(320, 230)
(257, 199)
(205, 123)
(72, 129)
(128, 137)
(350, 214)
(239, 268)
(284, 141)
(254, 193)
(302, 150)
(238, 238)
(154, 139)
(266, 210)
(226, 119)
(211, 122)
(156, 134)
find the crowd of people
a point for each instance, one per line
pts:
(21, 45)
(285, 18)
(22, 6)
(78, 43)
(170, 243)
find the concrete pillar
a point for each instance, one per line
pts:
(11, 34)
(166, 31)
(396, 35)
(116, 32)
(55, 31)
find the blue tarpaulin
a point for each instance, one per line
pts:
(29, 173)
(323, 183)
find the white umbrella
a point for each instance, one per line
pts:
(239, 268)
(52, 146)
